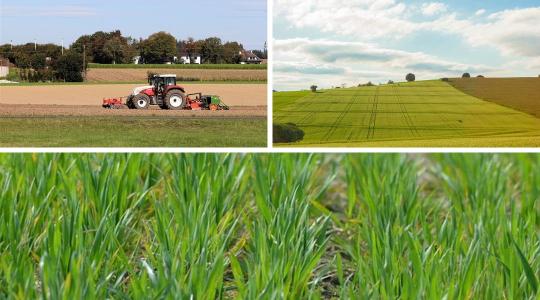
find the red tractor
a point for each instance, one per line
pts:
(162, 90)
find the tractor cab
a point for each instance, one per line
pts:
(159, 82)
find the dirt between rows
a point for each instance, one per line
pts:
(41, 110)
(93, 94)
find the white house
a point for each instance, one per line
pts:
(248, 57)
(137, 59)
(195, 59)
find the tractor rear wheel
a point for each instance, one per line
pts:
(140, 101)
(174, 100)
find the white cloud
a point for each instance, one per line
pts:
(513, 32)
(335, 62)
(433, 8)
(480, 12)
(366, 18)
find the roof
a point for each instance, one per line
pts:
(165, 75)
(248, 54)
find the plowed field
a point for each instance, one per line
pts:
(92, 94)
(518, 93)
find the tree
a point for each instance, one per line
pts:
(390, 82)
(158, 48)
(410, 77)
(23, 60)
(480, 76)
(466, 75)
(212, 50)
(313, 88)
(231, 52)
(69, 67)
(115, 48)
(260, 54)
(104, 47)
(37, 61)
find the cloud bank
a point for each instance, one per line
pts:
(513, 33)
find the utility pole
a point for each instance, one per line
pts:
(35, 45)
(62, 47)
(11, 43)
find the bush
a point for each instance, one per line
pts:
(480, 76)
(410, 77)
(70, 67)
(445, 79)
(13, 75)
(287, 133)
(313, 88)
(466, 75)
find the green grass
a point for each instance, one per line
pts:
(179, 66)
(134, 82)
(132, 132)
(406, 114)
(279, 226)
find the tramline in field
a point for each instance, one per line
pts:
(163, 91)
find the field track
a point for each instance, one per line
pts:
(421, 113)
(92, 95)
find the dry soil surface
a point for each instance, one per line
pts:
(43, 110)
(93, 94)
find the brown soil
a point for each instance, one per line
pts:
(132, 75)
(41, 110)
(93, 94)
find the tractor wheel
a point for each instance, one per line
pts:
(140, 101)
(174, 100)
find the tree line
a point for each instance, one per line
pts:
(50, 62)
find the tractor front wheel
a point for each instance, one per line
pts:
(140, 101)
(174, 100)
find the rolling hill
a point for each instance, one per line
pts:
(415, 114)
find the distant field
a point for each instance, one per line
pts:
(183, 75)
(518, 93)
(118, 131)
(178, 66)
(405, 114)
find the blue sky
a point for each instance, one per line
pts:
(331, 42)
(51, 21)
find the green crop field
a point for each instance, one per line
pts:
(120, 131)
(278, 226)
(424, 113)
